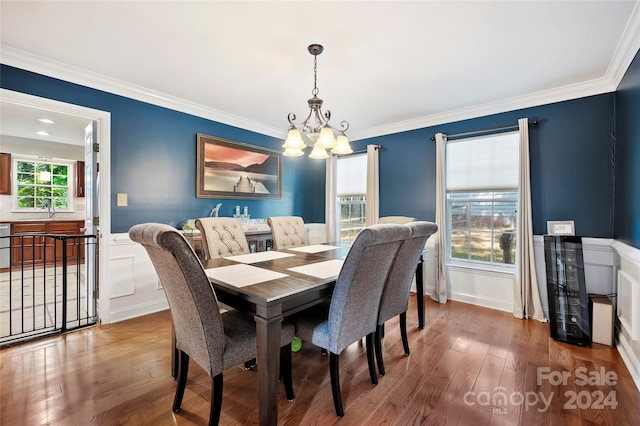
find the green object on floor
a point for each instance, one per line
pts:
(296, 344)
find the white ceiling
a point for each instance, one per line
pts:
(388, 66)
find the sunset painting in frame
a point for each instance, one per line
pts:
(227, 169)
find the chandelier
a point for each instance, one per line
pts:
(315, 130)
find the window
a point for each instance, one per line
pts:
(482, 199)
(483, 226)
(351, 192)
(38, 181)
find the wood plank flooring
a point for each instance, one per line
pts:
(469, 366)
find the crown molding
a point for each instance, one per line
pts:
(40, 65)
(627, 48)
(564, 93)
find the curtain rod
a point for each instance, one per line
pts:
(494, 129)
(378, 147)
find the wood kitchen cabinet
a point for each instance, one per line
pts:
(27, 249)
(79, 178)
(38, 249)
(5, 174)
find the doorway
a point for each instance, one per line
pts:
(97, 206)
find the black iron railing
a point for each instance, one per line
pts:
(48, 285)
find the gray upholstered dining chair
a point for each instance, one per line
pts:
(395, 296)
(402, 220)
(215, 341)
(288, 232)
(353, 311)
(222, 237)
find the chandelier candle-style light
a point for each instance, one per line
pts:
(317, 131)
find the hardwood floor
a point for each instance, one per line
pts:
(469, 366)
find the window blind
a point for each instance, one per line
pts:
(352, 175)
(483, 163)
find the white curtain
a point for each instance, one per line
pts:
(331, 198)
(440, 288)
(526, 296)
(372, 209)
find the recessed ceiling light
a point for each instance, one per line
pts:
(41, 133)
(46, 120)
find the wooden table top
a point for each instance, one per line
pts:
(274, 291)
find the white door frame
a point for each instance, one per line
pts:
(104, 139)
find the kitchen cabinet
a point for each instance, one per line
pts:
(79, 178)
(37, 248)
(5, 174)
(28, 248)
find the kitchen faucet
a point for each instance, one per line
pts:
(47, 204)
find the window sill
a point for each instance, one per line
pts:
(483, 268)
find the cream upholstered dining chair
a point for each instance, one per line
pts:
(215, 341)
(353, 311)
(395, 296)
(402, 220)
(288, 232)
(222, 237)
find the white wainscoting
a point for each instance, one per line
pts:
(600, 267)
(134, 283)
(628, 312)
(610, 267)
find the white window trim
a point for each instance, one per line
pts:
(70, 182)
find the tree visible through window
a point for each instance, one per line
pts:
(483, 226)
(39, 181)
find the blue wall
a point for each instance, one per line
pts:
(153, 153)
(153, 157)
(571, 168)
(627, 204)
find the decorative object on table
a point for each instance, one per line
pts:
(227, 169)
(189, 226)
(316, 129)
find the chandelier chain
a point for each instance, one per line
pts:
(315, 90)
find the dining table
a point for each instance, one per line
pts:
(272, 285)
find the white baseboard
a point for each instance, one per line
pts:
(134, 311)
(485, 302)
(630, 359)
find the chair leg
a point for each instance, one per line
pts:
(403, 332)
(335, 383)
(378, 347)
(285, 371)
(183, 370)
(216, 400)
(372, 366)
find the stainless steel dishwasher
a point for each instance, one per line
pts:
(5, 231)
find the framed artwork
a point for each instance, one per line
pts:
(560, 227)
(227, 169)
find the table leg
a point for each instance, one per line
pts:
(268, 336)
(420, 292)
